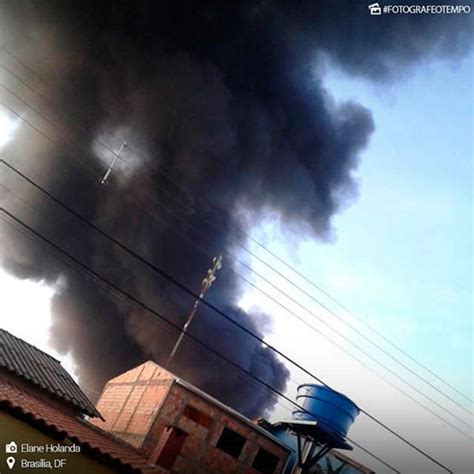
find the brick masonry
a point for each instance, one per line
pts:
(140, 404)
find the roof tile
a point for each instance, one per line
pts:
(78, 430)
(39, 368)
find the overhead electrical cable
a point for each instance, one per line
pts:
(170, 278)
(115, 290)
(57, 201)
(120, 298)
(279, 273)
(47, 216)
(440, 406)
(264, 262)
(312, 327)
(243, 328)
(293, 380)
(197, 340)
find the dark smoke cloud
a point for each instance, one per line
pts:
(225, 99)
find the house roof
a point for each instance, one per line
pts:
(40, 369)
(79, 431)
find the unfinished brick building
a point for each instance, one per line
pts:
(183, 429)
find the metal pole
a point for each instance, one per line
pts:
(109, 169)
(206, 284)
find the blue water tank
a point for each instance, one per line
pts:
(332, 410)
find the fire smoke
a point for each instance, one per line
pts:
(220, 102)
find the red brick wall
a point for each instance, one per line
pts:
(199, 453)
(140, 404)
(130, 402)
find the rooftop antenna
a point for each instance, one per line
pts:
(109, 169)
(207, 282)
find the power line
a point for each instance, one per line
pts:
(243, 328)
(297, 382)
(312, 327)
(416, 401)
(96, 276)
(19, 61)
(195, 339)
(29, 69)
(119, 297)
(123, 300)
(342, 306)
(295, 301)
(284, 293)
(116, 156)
(28, 204)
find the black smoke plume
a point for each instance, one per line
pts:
(221, 103)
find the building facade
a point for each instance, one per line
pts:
(183, 429)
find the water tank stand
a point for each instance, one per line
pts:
(313, 442)
(306, 460)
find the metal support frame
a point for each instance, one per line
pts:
(312, 460)
(313, 443)
(307, 460)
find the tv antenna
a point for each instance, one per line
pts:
(109, 169)
(207, 282)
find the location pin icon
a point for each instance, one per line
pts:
(11, 462)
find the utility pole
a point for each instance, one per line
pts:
(205, 285)
(109, 169)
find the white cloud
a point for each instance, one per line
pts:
(25, 312)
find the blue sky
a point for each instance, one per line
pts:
(401, 260)
(410, 231)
